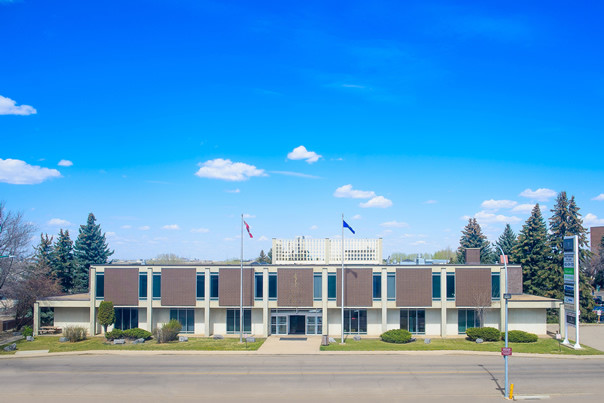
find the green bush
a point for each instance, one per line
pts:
(27, 331)
(106, 314)
(137, 333)
(396, 336)
(168, 332)
(75, 333)
(484, 333)
(114, 334)
(519, 336)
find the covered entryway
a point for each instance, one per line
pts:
(297, 324)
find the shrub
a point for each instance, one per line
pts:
(137, 333)
(519, 336)
(27, 331)
(75, 333)
(484, 333)
(168, 332)
(106, 314)
(396, 336)
(114, 334)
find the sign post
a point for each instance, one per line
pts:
(571, 288)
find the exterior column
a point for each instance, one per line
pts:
(92, 293)
(206, 304)
(384, 299)
(266, 321)
(150, 299)
(502, 281)
(443, 302)
(324, 299)
(562, 315)
(36, 318)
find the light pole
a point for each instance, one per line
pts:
(506, 296)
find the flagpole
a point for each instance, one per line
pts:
(241, 288)
(342, 278)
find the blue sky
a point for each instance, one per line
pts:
(169, 119)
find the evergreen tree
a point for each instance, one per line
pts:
(575, 227)
(64, 264)
(507, 241)
(558, 224)
(472, 237)
(263, 258)
(43, 254)
(90, 248)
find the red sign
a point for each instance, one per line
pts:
(506, 351)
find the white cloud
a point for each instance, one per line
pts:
(378, 201)
(298, 174)
(249, 216)
(356, 217)
(17, 172)
(233, 191)
(59, 222)
(65, 163)
(110, 234)
(314, 227)
(599, 197)
(228, 170)
(126, 226)
(200, 230)
(301, 153)
(416, 243)
(486, 217)
(541, 194)
(430, 202)
(9, 107)
(171, 227)
(263, 238)
(591, 220)
(523, 208)
(348, 192)
(497, 204)
(144, 228)
(394, 224)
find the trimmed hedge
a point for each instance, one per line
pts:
(519, 336)
(137, 333)
(27, 331)
(396, 336)
(114, 334)
(484, 333)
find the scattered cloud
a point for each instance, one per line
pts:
(200, 230)
(225, 169)
(356, 217)
(314, 227)
(58, 222)
(249, 216)
(420, 242)
(488, 217)
(9, 107)
(144, 228)
(541, 194)
(65, 163)
(348, 192)
(394, 224)
(430, 202)
(599, 197)
(378, 201)
(591, 220)
(233, 191)
(298, 174)
(301, 153)
(17, 172)
(171, 227)
(497, 204)
(263, 238)
(527, 208)
(110, 234)
(126, 226)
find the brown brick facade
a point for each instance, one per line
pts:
(359, 288)
(413, 287)
(472, 287)
(596, 234)
(472, 255)
(295, 287)
(228, 287)
(178, 286)
(514, 280)
(121, 286)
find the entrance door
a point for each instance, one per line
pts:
(297, 324)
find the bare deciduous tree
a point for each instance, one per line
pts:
(15, 238)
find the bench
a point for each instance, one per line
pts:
(49, 330)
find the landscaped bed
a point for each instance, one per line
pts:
(52, 344)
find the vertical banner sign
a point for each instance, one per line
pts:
(571, 285)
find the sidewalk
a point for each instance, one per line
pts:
(291, 345)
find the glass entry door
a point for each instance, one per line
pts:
(297, 324)
(279, 324)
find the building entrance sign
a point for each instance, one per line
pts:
(571, 287)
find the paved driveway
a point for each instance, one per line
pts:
(591, 335)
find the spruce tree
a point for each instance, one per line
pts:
(90, 248)
(558, 226)
(575, 227)
(507, 241)
(64, 264)
(472, 237)
(43, 254)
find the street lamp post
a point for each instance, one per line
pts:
(506, 297)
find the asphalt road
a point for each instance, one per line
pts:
(351, 378)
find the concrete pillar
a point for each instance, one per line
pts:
(384, 299)
(266, 319)
(324, 300)
(443, 302)
(562, 315)
(150, 299)
(36, 318)
(92, 327)
(206, 304)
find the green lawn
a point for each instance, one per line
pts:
(52, 344)
(542, 346)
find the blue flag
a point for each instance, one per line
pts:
(348, 226)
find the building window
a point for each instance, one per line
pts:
(186, 317)
(156, 285)
(142, 286)
(126, 318)
(391, 286)
(436, 286)
(332, 282)
(272, 286)
(279, 324)
(214, 286)
(201, 286)
(377, 286)
(467, 318)
(258, 286)
(355, 321)
(450, 286)
(314, 324)
(233, 320)
(317, 280)
(100, 285)
(414, 320)
(495, 286)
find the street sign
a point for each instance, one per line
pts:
(571, 319)
(506, 351)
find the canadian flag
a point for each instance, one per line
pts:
(247, 227)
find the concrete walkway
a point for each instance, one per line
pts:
(591, 335)
(291, 345)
